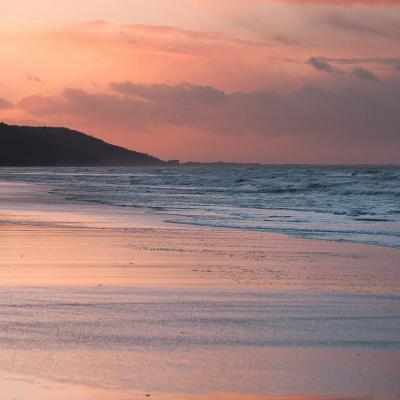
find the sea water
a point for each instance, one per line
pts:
(357, 204)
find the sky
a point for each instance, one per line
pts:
(271, 81)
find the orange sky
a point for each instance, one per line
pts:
(244, 80)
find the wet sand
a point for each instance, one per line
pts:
(102, 303)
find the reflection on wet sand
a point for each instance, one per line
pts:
(202, 342)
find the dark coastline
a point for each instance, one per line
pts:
(28, 146)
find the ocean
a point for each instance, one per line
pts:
(355, 204)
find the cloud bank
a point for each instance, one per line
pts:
(342, 3)
(355, 114)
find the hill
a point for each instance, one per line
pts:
(46, 146)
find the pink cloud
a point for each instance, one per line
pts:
(107, 51)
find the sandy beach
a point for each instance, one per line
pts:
(107, 303)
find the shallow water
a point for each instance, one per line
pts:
(111, 318)
(344, 203)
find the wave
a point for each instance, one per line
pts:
(352, 204)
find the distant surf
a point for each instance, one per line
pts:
(356, 204)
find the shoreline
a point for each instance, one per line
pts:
(131, 215)
(118, 218)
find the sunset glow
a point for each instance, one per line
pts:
(306, 81)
